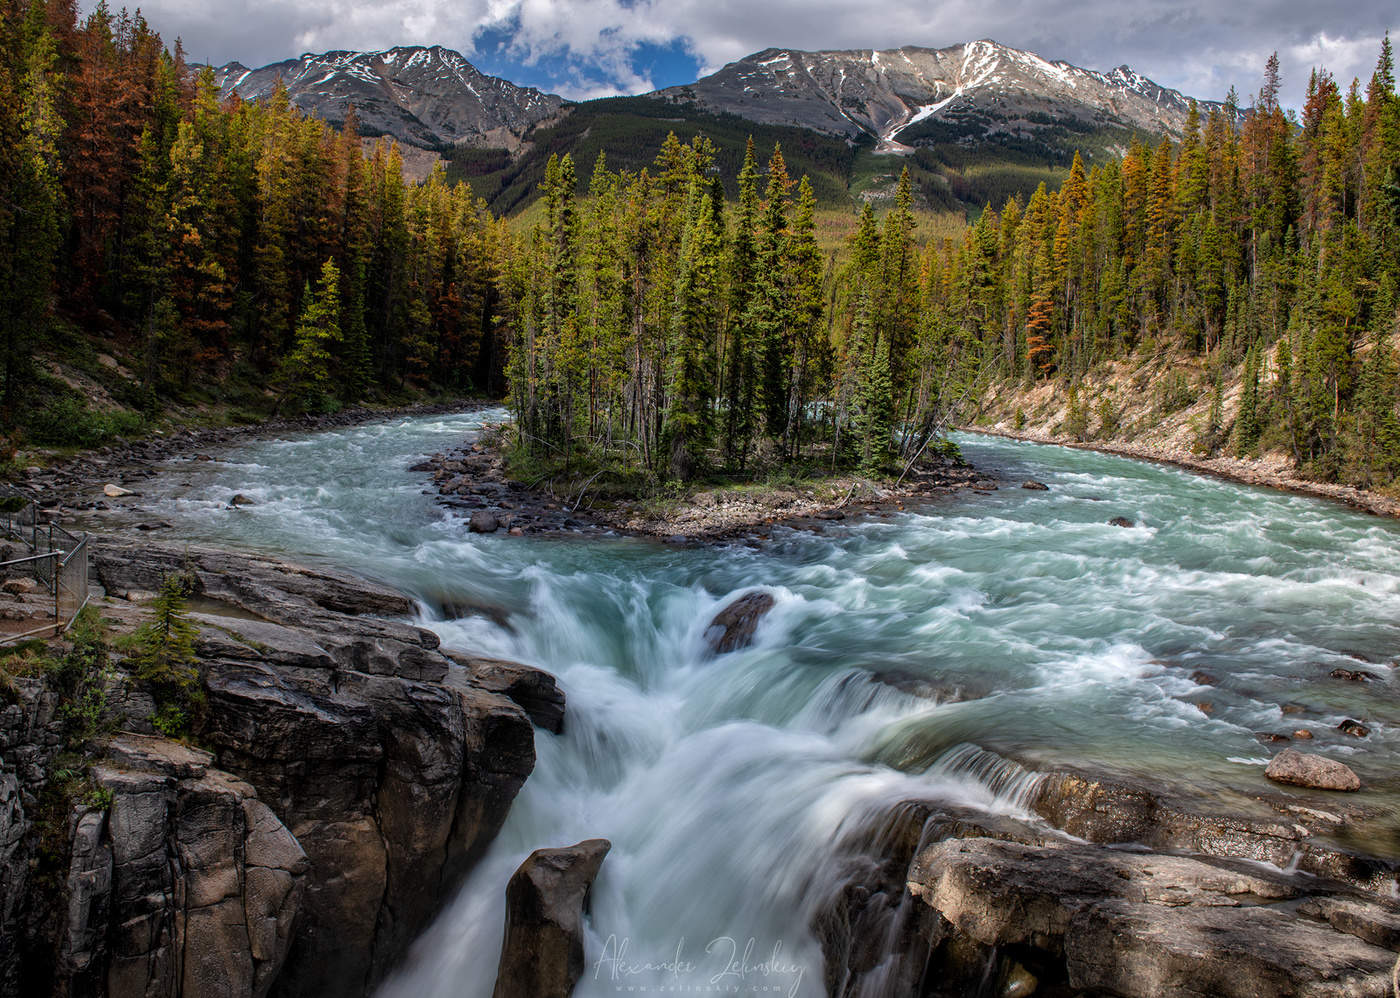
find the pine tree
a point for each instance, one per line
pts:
(306, 372)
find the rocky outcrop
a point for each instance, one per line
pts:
(391, 768)
(542, 954)
(185, 884)
(30, 740)
(938, 902)
(1134, 925)
(535, 692)
(1285, 832)
(733, 627)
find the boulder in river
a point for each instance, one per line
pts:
(1035, 486)
(1313, 771)
(542, 955)
(1121, 521)
(241, 500)
(733, 627)
(1354, 728)
(114, 491)
(483, 521)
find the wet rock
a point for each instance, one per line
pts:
(1121, 521)
(394, 777)
(516, 532)
(985, 485)
(1206, 707)
(422, 466)
(1303, 733)
(831, 515)
(1313, 771)
(1035, 486)
(1203, 678)
(542, 954)
(1292, 709)
(1016, 982)
(534, 690)
(240, 499)
(1353, 675)
(921, 686)
(1134, 925)
(733, 627)
(1354, 728)
(1271, 738)
(483, 521)
(154, 525)
(115, 491)
(1110, 810)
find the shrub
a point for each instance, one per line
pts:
(66, 421)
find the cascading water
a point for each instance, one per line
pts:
(907, 657)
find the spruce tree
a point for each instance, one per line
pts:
(306, 372)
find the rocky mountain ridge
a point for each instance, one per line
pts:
(432, 97)
(894, 95)
(423, 96)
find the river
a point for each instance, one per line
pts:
(724, 783)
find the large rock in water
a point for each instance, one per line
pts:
(1314, 771)
(392, 771)
(542, 955)
(733, 627)
(932, 900)
(1139, 925)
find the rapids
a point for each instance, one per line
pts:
(725, 783)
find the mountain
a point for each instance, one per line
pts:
(428, 97)
(899, 96)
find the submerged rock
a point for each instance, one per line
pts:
(1121, 521)
(1035, 486)
(241, 500)
(733, 627)
(1314, 771)
(546, 899)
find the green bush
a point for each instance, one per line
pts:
(66, 421)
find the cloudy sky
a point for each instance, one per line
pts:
(589, 48)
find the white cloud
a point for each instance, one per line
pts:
(1198, 46)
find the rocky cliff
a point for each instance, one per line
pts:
(348, 775)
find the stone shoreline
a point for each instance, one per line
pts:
(1274, 471)
(68, 478)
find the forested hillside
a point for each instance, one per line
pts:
(680, 316)
(650, 316)
(231, 250)
(1266, 255)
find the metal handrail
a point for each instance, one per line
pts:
(59, 562)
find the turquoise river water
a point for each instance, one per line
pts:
(723, 783)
